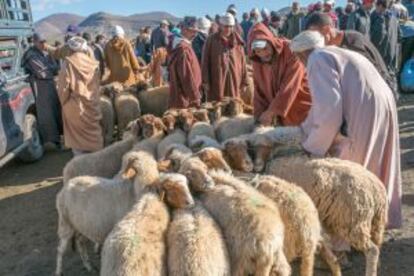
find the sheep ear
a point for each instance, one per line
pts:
(129, 173)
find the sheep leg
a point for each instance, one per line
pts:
(372, 255)
(330, 259)
(281, 266)
(83, 252)
(264, 265)
(65, 233)
(307, 264)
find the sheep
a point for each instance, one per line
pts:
(137, 245)
(301, 220)
(201, 142)
(201, 129)
(169, 118)
(351, 201)
(250, 222)
(107, 162)
(185, 119)
(195, 242)
(127, 108)
(214, 110)
(176, 137)
(108, 119)
(200, 115)
(247, 94)
(91, 206)
(214, 159)
(236, 151)
(154, 101)
(176, 154)
(233, 127)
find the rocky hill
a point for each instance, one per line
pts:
(54, 26)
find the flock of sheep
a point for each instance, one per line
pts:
(173, 198)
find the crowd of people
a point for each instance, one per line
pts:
(331, 72)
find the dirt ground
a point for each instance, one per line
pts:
(28, 218)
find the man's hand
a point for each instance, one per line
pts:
(266, 119)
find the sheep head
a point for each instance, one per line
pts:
(175, 154)
(133, 129)
(234, 107)
(262, 149)
(140, 167)
(169, 119)
(185, 119)
(196, 172)
(237, 153)
(165, 166)
(214, 159)
(175, 188)
(201, 115)
(214, 112)
(151, 126)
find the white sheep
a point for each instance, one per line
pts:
(301, 220)
(137, 244)
(233, 127)
(201, 142)
(91, 206)
(176, 154)
(351, 201)
(195, 244)
(127, 109)
(108, 119)
(201, 129)
(178, 136)
(250, 222)
(154, 101)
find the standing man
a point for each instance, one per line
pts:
(233, 11)
(281, 89)
(121, 60)
(385, 32)
(143, 44)
(159, 36)
(328, 8)
(350, 40)
(353, 114)
(294, 21)
(245, 24)
(78, 84)
(98, 51)
(184, 69)
(265, 16)
(275, 24)
(43, 69)
(360, 20)
(203, 25)
(224, 63)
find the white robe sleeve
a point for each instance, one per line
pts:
(325, 117)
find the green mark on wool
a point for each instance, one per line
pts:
(255, 201)
(135, 240)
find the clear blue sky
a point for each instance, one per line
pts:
(42, 8)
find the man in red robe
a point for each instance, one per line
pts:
(184, 69)
(224, 63)
(281, 87)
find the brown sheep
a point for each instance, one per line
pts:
(236, 151)
(185, 119)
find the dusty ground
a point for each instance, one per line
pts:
(28, 217)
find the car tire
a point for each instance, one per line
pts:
(34, 150)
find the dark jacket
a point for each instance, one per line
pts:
(159, 38)
(360, 21)
(294, 24)
(198, 45)
(143, 48)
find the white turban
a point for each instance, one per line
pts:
(255, 11)
(204, 25)
(307, 40)
(118, 31)
(259, 44)
(227, 20)
(78, 44)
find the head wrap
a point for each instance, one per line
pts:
(204, 25)
(259, 44)
(72, 30)
(118, 31)
(78, 44)
(165, 22)
(232, 9)
(255, 11)
(227, 20)
(265, 13)
(307, 40)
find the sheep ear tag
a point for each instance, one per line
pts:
(162, 195)
(129, 174)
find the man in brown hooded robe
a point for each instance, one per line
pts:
(281, 87)
(121, 60)
(184, 69)
(224, 64)
(78, 87)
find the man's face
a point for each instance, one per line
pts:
(40, 44)
(227, 30)
(325, 31)
(275, 24)
(295, 7)
(189, 33)
(264, 54)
